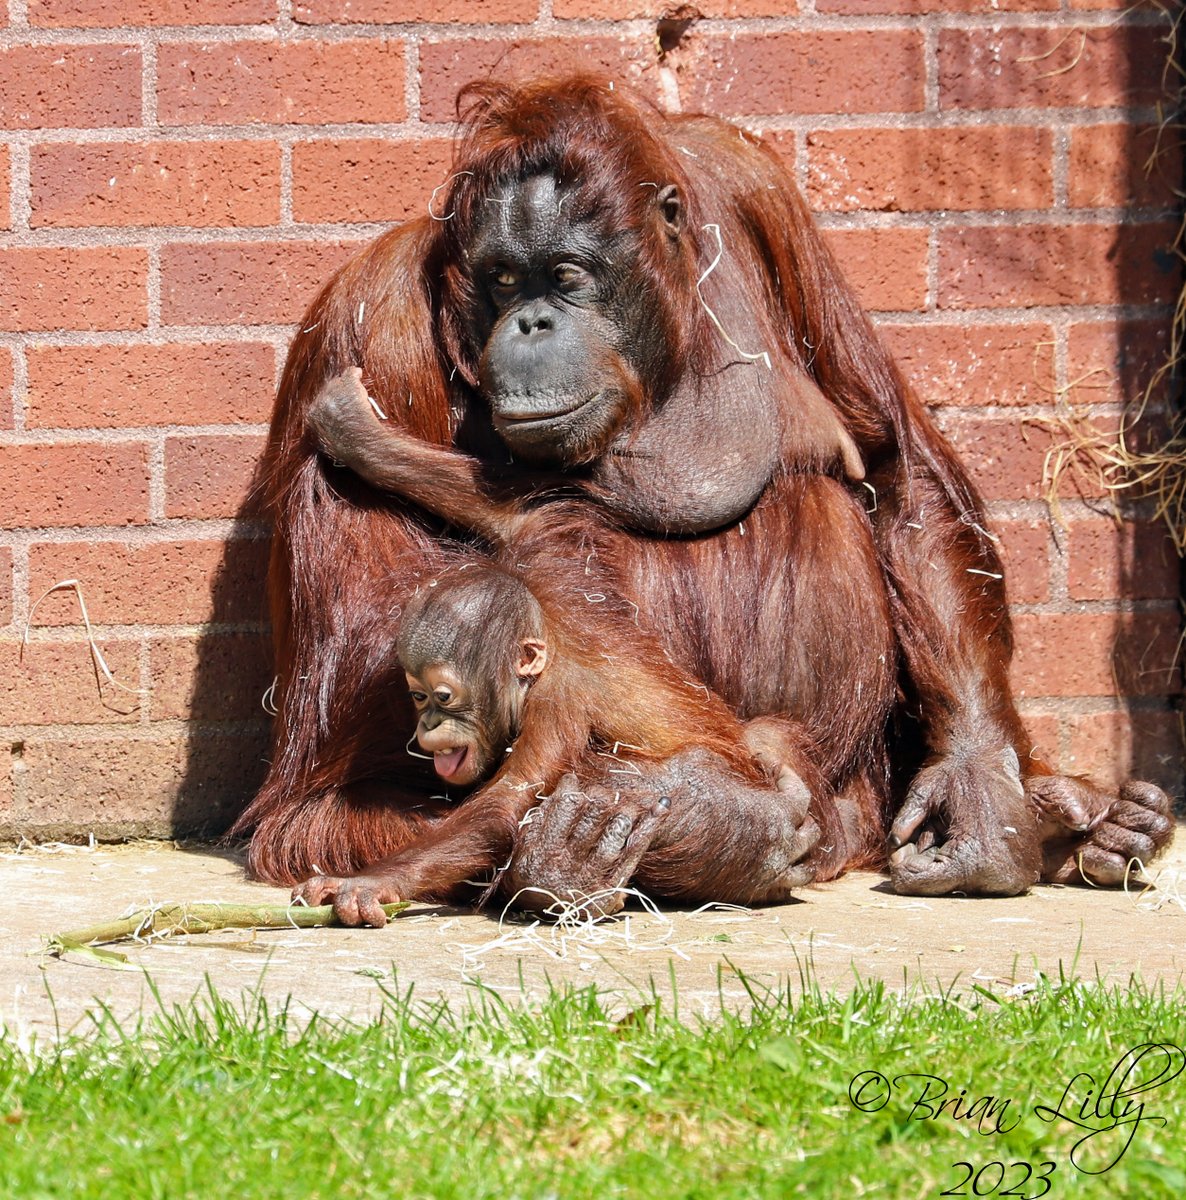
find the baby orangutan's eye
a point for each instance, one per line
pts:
(442, 695)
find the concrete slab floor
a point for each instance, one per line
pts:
(853, 926)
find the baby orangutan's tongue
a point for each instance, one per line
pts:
(447, 762)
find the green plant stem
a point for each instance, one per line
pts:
(202, 918)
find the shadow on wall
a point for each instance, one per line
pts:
(229, 732)
(1148, 179)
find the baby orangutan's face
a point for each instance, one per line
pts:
(467, 725)
(459, 733)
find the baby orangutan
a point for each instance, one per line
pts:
(472, 647)
(510, 703)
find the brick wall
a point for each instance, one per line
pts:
(171, 194)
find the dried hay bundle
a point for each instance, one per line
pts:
(1145, 456)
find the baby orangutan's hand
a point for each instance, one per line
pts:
(357, 899)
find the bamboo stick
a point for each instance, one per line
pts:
(166, 919)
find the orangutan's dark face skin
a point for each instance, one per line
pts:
(562, 358)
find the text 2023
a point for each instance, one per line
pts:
(990, 1179)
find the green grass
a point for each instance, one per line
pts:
(563, 1100)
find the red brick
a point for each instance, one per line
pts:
(1127, 561)
(211, 476)
(118, 14)
(1005, 458)
(924, 170)
(153, 583)
(1115, 361)
(447, 66)
(1114, 746)
(1049, 67)
(975, 364)
(210, 383)
(919, 7)
(51, 288)
(399, 12)
(224, 770)
(5, 585)
(622, 10)
(254, 283)
(69, 86)
(1056, 264)
(366, 179)
(73, 483)
(1096, 654)
(5, 204)
(1025, 551)
(164, 183)
(214, 677)
(888, 267)
(307, 82)
(1114, 165)
(1043, 729)
(136, 786)
(783, 140)
(843, 71)
(5, 388)
(54, 683)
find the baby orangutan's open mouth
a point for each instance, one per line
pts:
(448, 762)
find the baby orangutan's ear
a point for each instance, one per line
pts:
(533, 657)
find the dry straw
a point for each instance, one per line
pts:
(1145, 456)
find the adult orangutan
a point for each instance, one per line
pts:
(636, 308)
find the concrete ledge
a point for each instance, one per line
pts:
(852, 927)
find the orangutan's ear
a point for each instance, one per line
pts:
(533, 658)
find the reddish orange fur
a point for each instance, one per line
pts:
(910, 599)
(344, 556)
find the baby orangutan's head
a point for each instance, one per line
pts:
(471, 643)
